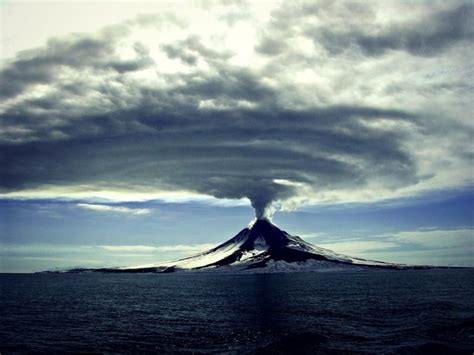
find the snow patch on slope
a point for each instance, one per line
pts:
(208, 258)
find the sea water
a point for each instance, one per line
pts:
(430, 311)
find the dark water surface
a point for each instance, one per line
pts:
(352, 312)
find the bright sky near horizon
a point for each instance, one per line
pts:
(127, 129)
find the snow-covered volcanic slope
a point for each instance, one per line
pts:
(261, 247)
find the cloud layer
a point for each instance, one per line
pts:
(319, 101)
(428, 247)
(115, 209)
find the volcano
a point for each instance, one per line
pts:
(261, 248)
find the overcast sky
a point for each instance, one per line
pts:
(133, 125)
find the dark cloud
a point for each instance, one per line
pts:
(191, 50)
(42, 65)
(225, 132)
(167, 141)
(428, 37)
(339, 28)
(271, 46)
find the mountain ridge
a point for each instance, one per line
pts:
(261, 247)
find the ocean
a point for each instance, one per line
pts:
(379, 312)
